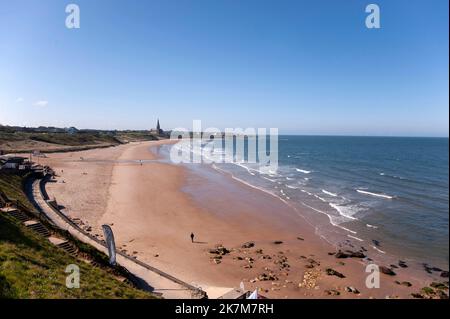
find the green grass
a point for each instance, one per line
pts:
(77, 139)
(19, 141)
(11, 185)
(31, 267)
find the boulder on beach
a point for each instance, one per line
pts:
(387, 271)
(332, 292)
(352, 289)
(349, 254)
(267, 276)
(439, 285)
(249, 244)
(219, 250)
(332, 272)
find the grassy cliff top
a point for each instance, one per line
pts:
(16, 141)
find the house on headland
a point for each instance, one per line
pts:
(14, 163)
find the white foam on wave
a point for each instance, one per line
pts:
(270, 180)
(392, 176)
(358, 239)
(330, 217)
(379, 250)
(329, 193)
(302, 171)
(320, 198)
(371, 226)
(343, 211)
(249, 170)
(291, 186)
(375, 194)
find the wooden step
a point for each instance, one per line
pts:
(19, 215)
(38, 228)
(68, 247)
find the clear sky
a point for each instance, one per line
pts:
(306, 67)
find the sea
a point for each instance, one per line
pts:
(387, 194)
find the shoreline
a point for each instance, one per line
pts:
(153, 215)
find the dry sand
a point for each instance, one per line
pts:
(152, 217)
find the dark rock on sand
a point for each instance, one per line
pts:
(427, 291)
(444, 274)
(352, 289)
(406, 283)
(402, 264)
(219, 250)
(277, 242)
(393, 266)
(349, 254)
(356, 254)
(439, 285)
(376, 242)
(266, 277)
(249, 244)
(311, 263)
(340, 254)
(416, 295)
(300, 238)
(332, 272)
(332, 292)
(430, 269)
(387, 271)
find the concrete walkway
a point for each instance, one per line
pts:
(161, 283)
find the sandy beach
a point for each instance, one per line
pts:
(151, 209)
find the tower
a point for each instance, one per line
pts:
(158, 128)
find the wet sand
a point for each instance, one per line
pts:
(153, 207)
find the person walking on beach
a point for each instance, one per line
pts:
(192, 237)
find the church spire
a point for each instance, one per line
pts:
(158, 127)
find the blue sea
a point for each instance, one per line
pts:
(388, 194)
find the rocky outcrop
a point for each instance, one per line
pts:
(387, 271)
(249, 244)
(349, 254)
(332, 272)
(219, 250)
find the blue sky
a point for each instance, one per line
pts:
(306, 67)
